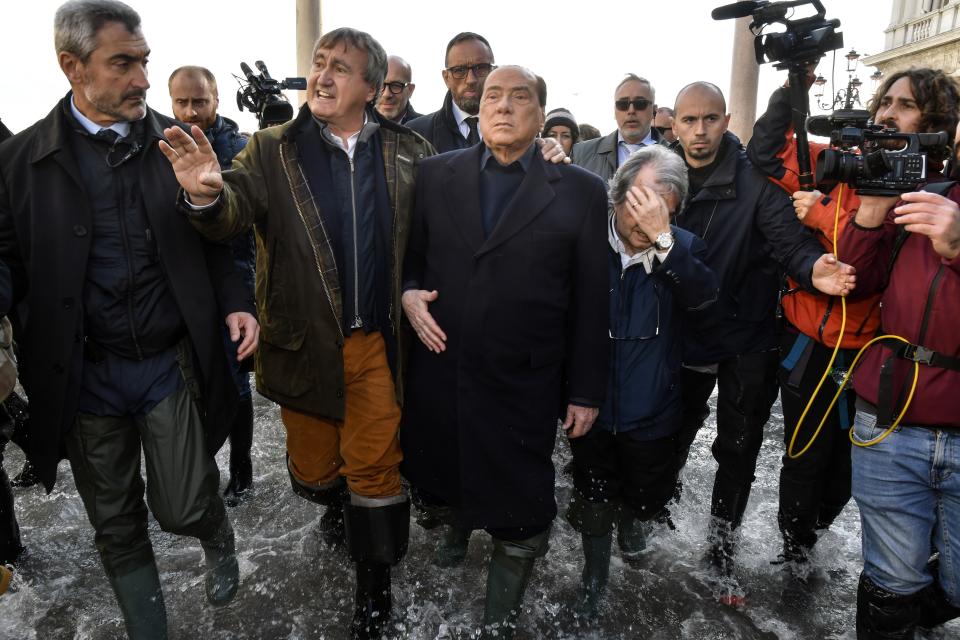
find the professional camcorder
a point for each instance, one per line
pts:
(263, 95)
(803, 41)
(879, 169)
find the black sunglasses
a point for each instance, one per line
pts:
(639, 104)
(663, 130)
(481, 70)
(396, 88)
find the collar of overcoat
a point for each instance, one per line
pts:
(461, 186)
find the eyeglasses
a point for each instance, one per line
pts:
(639, 104)
(396, 88)
(663, 130)
(645, 327)
(481, 70)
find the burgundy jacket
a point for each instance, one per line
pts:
(921, 282)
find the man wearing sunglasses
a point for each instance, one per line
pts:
(634, 107)
(394, 103)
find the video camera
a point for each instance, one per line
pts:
(262, 95)
(877, 170)
(804, 40)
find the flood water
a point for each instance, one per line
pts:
(293, 587)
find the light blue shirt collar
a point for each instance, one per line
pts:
(460, 115)
(122, 128)
(624, 148)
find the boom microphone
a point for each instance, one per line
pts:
(737, 9)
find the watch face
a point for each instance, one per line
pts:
(664, 241)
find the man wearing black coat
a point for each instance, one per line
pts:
(508, 252)
(117, 322)
(467, 62)
(751, 234)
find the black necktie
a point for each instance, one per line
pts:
(108, 135)
(474, 137)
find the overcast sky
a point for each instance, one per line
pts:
(582, 49)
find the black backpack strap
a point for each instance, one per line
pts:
(939, 188)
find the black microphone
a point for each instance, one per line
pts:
(248, 72)
(820, 125)
(737, 9)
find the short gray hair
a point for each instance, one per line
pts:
(632, 77)
(670, 168)
(376, 71)
(77, 22)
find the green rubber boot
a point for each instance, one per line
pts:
(223, 572)
(596, 572)
(141, 602)
(511, 564)
(452, 546)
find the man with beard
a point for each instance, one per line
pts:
(193, 93)
(633, 102)
(121, 350)
(751, 234)
(467, 63)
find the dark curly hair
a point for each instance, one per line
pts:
(937, 96)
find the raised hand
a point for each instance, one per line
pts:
(649, 210)
(833, 277)
(803, 201)
(552, 151)
(194, 163)
(933, 216)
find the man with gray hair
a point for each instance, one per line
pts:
(329, 195)
(394, 103)
(623, 469)
(634, 106)
(122, 348)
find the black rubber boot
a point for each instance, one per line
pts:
(10, 545)
(719, 559)
(452, 546)
(223, 572)
(631, 535)
(377, 538)
(241, 442)
(882, 615)
(596, 572)
(511, 564)
(333, 498)
(935, 609)
(374, 602)
(141, 602)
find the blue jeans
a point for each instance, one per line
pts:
(908, 491)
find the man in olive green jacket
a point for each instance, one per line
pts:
(330, 196)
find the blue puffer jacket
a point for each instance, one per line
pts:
(647, 327)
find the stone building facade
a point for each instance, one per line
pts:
(921, 33)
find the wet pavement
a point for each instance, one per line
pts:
(293, 587)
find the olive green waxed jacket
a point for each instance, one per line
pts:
(300, 360)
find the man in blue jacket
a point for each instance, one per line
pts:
(623, 469)
(194, 98)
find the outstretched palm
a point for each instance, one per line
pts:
(832, 276)
(194, 163)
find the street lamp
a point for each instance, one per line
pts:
(849, 96)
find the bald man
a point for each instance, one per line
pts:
(193, 94)
(394, 102)
(751, 234)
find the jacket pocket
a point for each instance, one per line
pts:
(283, 361)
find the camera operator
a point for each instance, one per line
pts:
(814, 485)
(907, 485)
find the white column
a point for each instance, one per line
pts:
(309, 28)
(743, 81)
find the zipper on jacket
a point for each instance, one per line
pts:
(357, 321)
(826, 317)
(924, 321)
(616, 356)
(120, 193)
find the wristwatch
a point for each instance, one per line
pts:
(664, 241)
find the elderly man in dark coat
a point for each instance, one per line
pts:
(119, 329)
(506, 287)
